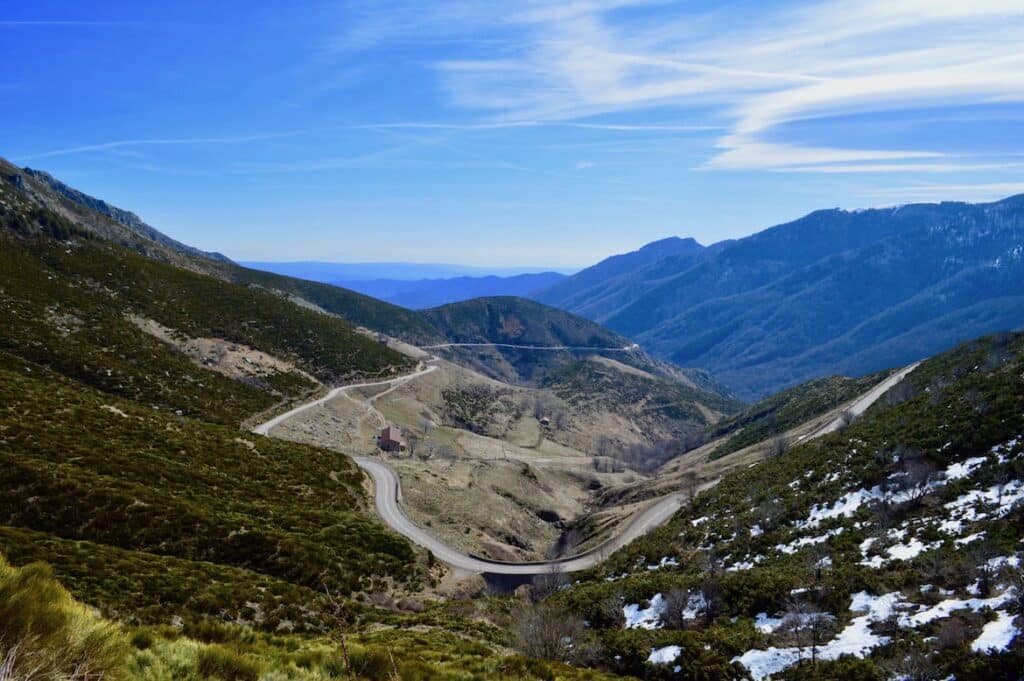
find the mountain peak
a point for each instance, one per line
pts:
(675, 244)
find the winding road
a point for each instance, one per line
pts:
(264, 428)
(582, 348)
(864, 401)
(388, 492)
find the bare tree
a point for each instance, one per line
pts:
(427, 425)
(560, 419)
(806, 625)
(547, 583)
(610, 613)
(547, 632)
(342, 620)
(952, 634)
(678, 604)
(917, 479)
(984, 570)
(711, 587)
(915, 665)
(900, 393)
(649, 457)
(777, 446)
(937, 390)
(690, 486)
(693, 440)
(1016, 580)
(768, 513)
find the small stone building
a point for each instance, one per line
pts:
(391, 440)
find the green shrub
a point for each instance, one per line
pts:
(220, 662)
(518, 667)
(371, 662)
(142, 639)
(45, 633)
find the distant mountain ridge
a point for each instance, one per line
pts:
(835, 291)
(331, 272)
(600, 291)
(420, 294)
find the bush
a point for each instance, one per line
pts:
(46, 634)
(142, 640)
(545, 631)
(372, 662)
(223, 663)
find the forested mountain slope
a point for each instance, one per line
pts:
(837, 291)
(599, 291)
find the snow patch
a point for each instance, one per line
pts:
(996, 636)
(645, 618)
(766, 624)
(666, 655)
(856, 639)
(667, 561)
(797, 544)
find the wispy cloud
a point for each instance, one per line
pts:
(937, 167)
(984, 191)
(580, 59)
(157, 142)
(127, 144)
(15, 23)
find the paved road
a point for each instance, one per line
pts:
(865, 401)
(265, 428)
(584, 348)
(388, 495)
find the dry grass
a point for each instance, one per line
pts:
(45, 635)
(483, 492)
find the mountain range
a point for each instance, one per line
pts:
(836, 291)
(419, 294)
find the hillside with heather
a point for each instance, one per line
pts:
(890, 549)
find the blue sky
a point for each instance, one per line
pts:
(515, 133)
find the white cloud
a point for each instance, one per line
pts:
(986, 191)
(565, 62)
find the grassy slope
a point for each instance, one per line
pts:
(355, 308)
(65, 302)
(171, 478)
(650, 398)
(780, 412)
(59, 638)
(518, 321)
(964, 403)
(158, 483)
